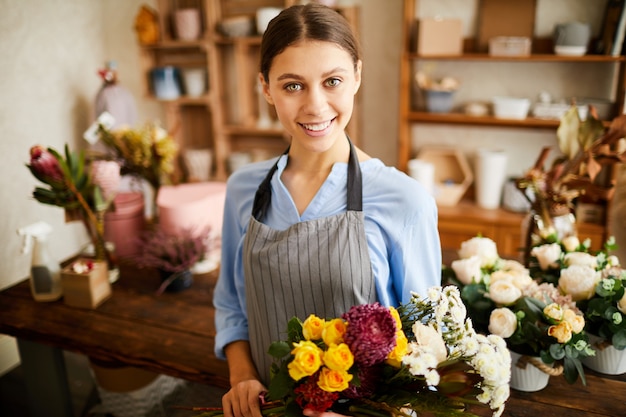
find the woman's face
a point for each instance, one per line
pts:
(312, 85)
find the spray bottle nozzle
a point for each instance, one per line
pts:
(36, 230)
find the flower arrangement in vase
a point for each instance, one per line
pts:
(173, 255)
(84, 189)
(586, 148)
(596, 282)
(538, 322)
(147, 152)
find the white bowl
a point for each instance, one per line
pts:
(565, 50)
(510, 107)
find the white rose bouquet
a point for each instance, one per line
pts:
(595, 281)
(535, 319)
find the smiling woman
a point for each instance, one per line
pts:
(326, 222)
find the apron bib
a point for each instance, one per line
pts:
(319, 267)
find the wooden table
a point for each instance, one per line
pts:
(170, 334)
(173, 334)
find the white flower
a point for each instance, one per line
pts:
(521, 279)
(581, 258)
(432, 378)
(467, 270)
(613, 261)
(504, 292)
(430, 339)
(571, 243)
(482, 247)
(512, 265)
(579, 281)
(502, 322)
(547, 255)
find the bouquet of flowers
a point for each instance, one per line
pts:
(535, 319)
(423, 356)
(595, 281)
(147, 152)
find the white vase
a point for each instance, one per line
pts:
(528, 379)
(607, 360)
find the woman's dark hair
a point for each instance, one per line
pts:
(306, 22)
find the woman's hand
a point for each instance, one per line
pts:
(243, 399)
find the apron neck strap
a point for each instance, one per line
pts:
(263, 196)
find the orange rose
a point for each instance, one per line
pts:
(307, 360)
(338, 357)
(333, 381)
(333, 331)
(312, 327)
(562, 332)
(399, 351)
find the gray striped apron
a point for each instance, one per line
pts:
(319, 267)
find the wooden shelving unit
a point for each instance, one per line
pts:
(466, 220)
(225, 118)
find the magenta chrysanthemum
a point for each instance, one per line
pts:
(369, 378)
(371, 333)
(310, 395)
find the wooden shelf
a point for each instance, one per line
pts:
(527, 58)
(228, 122)
(466, 220)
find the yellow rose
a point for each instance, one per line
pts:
(575, 320)
(396, 317)
(312, 327)
(399, 351)
(307, 360)
(333, 381)
(338, 357)
(554, 312)
(333, 332)
(562, 332)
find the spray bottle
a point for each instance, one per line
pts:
(45, 275)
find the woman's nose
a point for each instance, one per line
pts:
(316, 102)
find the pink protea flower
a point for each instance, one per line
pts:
(44, 165)
(310, 395)
(106, 175)
(371, 333)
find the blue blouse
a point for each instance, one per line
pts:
(400, 224)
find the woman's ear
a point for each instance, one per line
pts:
(357, 75)
(265, 89)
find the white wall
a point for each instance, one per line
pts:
(51, 52)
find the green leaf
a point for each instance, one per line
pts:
(619, 340)
(294, 330)
(280, 385)
(279, 349)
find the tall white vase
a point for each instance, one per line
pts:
(490, 176)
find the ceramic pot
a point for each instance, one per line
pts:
(607, 360)
(175, 282)
(187, 24)
(528, 378)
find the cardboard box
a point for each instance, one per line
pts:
(86, 290)
(505, 18)
(453, 175)
(439, 36)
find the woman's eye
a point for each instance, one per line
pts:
(293, 87)
(333, 82)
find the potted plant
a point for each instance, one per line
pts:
(173, 255)
(596, 282)
(541, 326)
